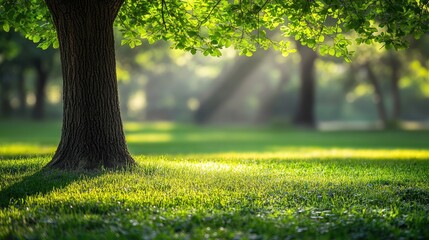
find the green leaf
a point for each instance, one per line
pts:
(56, 44)
(227, 43)
(44, 45)
(338, 54)
(6, 27)
(323, 50)
(36, 39)
(285, 54)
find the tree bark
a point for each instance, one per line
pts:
(305, 111)
(378, 95)
(92, 133)
(41, 80)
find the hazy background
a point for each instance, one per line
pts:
(380, 88)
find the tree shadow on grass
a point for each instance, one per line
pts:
(41, 182)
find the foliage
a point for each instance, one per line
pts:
(209, 26)
(322, 185)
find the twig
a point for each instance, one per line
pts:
(210, 13)
(162, 13)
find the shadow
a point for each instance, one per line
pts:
(414, 194)
(41, 182)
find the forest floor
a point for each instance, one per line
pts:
(220, 183)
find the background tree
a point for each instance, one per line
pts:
(9, 50)
(92, 134)
(18, 57)
(304, 115)
(378, 94)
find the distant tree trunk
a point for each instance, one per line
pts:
(305, 111)
(229, 84)
(5, 86)
(22, 95)
(395, 67)
(41, 80)
(378, 95)
(92, 134)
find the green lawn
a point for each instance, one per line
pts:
(220, 183)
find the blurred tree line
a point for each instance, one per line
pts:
(25, 71)
(303, 89)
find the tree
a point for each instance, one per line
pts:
(8, 51)
(5, 86)
(92, 134)
(42, 70)
(378, 94)
(18, 56)
(304, 115)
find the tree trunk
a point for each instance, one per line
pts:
(22, 95)
(378, 95)
(41, 79)
(92, 134)
(305, 111)
(229, 84)
(5, 86)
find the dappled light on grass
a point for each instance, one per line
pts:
(149, 137)
(339, 153)
(24, 149)
(302, 193)
(159, 126)
(228, 183)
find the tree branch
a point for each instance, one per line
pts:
(163, 3)
(210, 13)
(262, 7)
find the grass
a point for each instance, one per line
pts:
(220, 183)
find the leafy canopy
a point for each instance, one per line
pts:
(210, 25)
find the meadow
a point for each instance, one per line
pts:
(196, 182)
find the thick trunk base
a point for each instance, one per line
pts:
(74, 161)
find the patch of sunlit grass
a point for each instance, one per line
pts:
(25, 149)
(305, 193)
(288, 153)
(158, 126)
(149, 137)
(221, 183)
